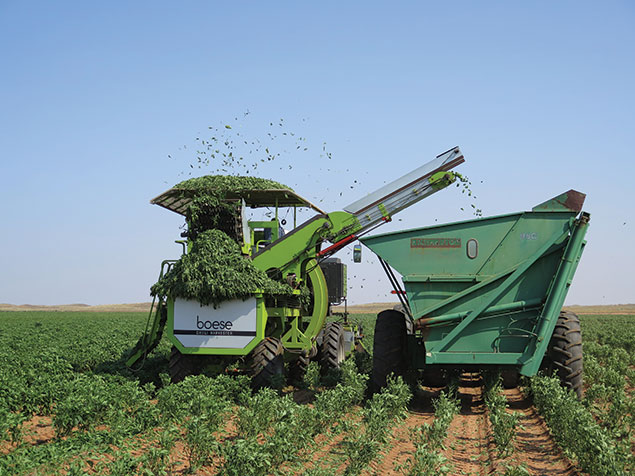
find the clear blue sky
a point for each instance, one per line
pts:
(95, 96)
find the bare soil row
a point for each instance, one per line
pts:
(469, 445)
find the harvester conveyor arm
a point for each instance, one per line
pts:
(343, 227)
(406, 191)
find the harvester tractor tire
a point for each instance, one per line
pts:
(297, 367)
(564, 355)
(267, 363)
(182, 365)
(389, 347)
(332, 350)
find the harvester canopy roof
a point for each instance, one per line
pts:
(179, 198)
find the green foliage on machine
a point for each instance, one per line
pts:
(208, 212)
(220, 185)
(209, 207)
(215, 271)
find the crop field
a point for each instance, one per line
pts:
(69, 406)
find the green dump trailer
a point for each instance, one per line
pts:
(484, 293)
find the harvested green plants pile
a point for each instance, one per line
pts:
(220, 185)
(209, 196)
(214, 270)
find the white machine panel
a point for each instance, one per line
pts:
(231, 325)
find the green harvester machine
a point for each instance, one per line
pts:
(484, 294)
(478, 294)
(262, 332)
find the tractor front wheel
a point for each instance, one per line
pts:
(297, 367)
(267, 363)
(182, 365)
(332, 350)
(565, 352)
(388, 347)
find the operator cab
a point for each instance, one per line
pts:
(263, 233)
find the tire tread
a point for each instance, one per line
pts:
(565, 352)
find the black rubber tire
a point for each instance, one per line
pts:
(182, 365)
(297, 367)
(266, 362)
(510, 378)
(389, 345)
(434, 376)
(410, 327)
(564, 354)
(332, 352)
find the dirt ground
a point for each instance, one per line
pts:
(469, 445)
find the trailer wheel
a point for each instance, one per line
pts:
(565, 352)
(388, 347)
(434, 376)
(332, 352)
(182, 365)
(410, 326)
(510, 378)
(267, 363)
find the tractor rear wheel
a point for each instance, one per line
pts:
(332, 351)
(388, 347)
(267, 363)
(182, 365)
(565, 352)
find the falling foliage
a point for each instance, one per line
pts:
(233, 149)
(465, 184)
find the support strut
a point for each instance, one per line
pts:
(396, 287)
